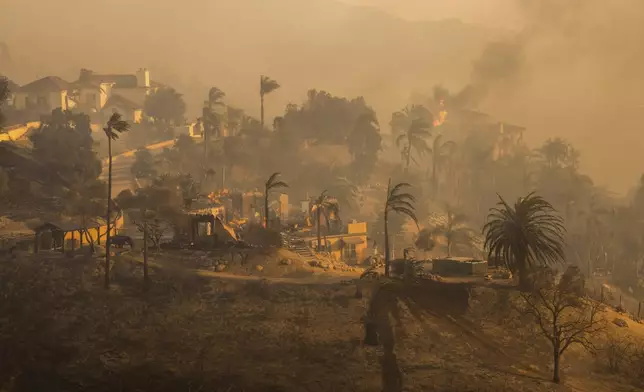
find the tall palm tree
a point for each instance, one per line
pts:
(414, 138)
(210, 118)
(266, 86)
(324, 205)
(269, 185)
(440, 154)
(113, 128)
(453, 229)
(523, 235)
(401, 203)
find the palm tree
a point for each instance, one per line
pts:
(453, 229)
(269, 185)
(523, 235)
(557, 152)
(114, 127)
(401, 203)
(266, 86)
(414, 138)
(4, 95)
(440, 154)
(210, 118)
(324, 205)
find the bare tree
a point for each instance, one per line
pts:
(563, 316)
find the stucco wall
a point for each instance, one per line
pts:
(53, 100)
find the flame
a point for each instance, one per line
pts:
(442, 115)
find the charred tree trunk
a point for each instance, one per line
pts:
(108, 235)
(146, 278)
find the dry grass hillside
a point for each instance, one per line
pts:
(62, 332)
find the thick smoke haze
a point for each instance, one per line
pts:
(577, 72)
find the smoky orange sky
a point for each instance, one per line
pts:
(494, 13)
(579, 74)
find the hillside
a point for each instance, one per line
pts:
(320, 44)
(190, 332)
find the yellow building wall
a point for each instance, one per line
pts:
(357, 228)
(137, 116)
(94, 233)
(338, 254)
(57, 100)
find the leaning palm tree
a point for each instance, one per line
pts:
(269, 185)
(414, 138)
(266, 86)
(440, 154)
(401, 203)
(324, 205)
(114, 127)
(524, 235)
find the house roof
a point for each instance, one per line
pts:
(46, 84)
(86, 84)
(154, 83)
(119, 81)
(120, 102)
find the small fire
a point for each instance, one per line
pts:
(442, 115)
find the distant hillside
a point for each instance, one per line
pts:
(194, 44)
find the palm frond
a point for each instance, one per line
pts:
(526, 234)
(268, 85)
(115, 125)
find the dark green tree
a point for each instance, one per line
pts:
(64, 145)
(144, 166)
(166, 106)
(525, 235)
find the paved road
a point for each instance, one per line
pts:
(121, 164)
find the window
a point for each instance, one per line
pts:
(41, 100)
(350, 252)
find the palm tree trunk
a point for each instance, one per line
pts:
(205, 144)
(387, 255)
(266, 208)
(317, 221)
(408, 157)
(146, 278)
(449, 247)
(108, 236)
(261, 100)
(434, 179)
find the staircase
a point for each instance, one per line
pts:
(298, 246)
